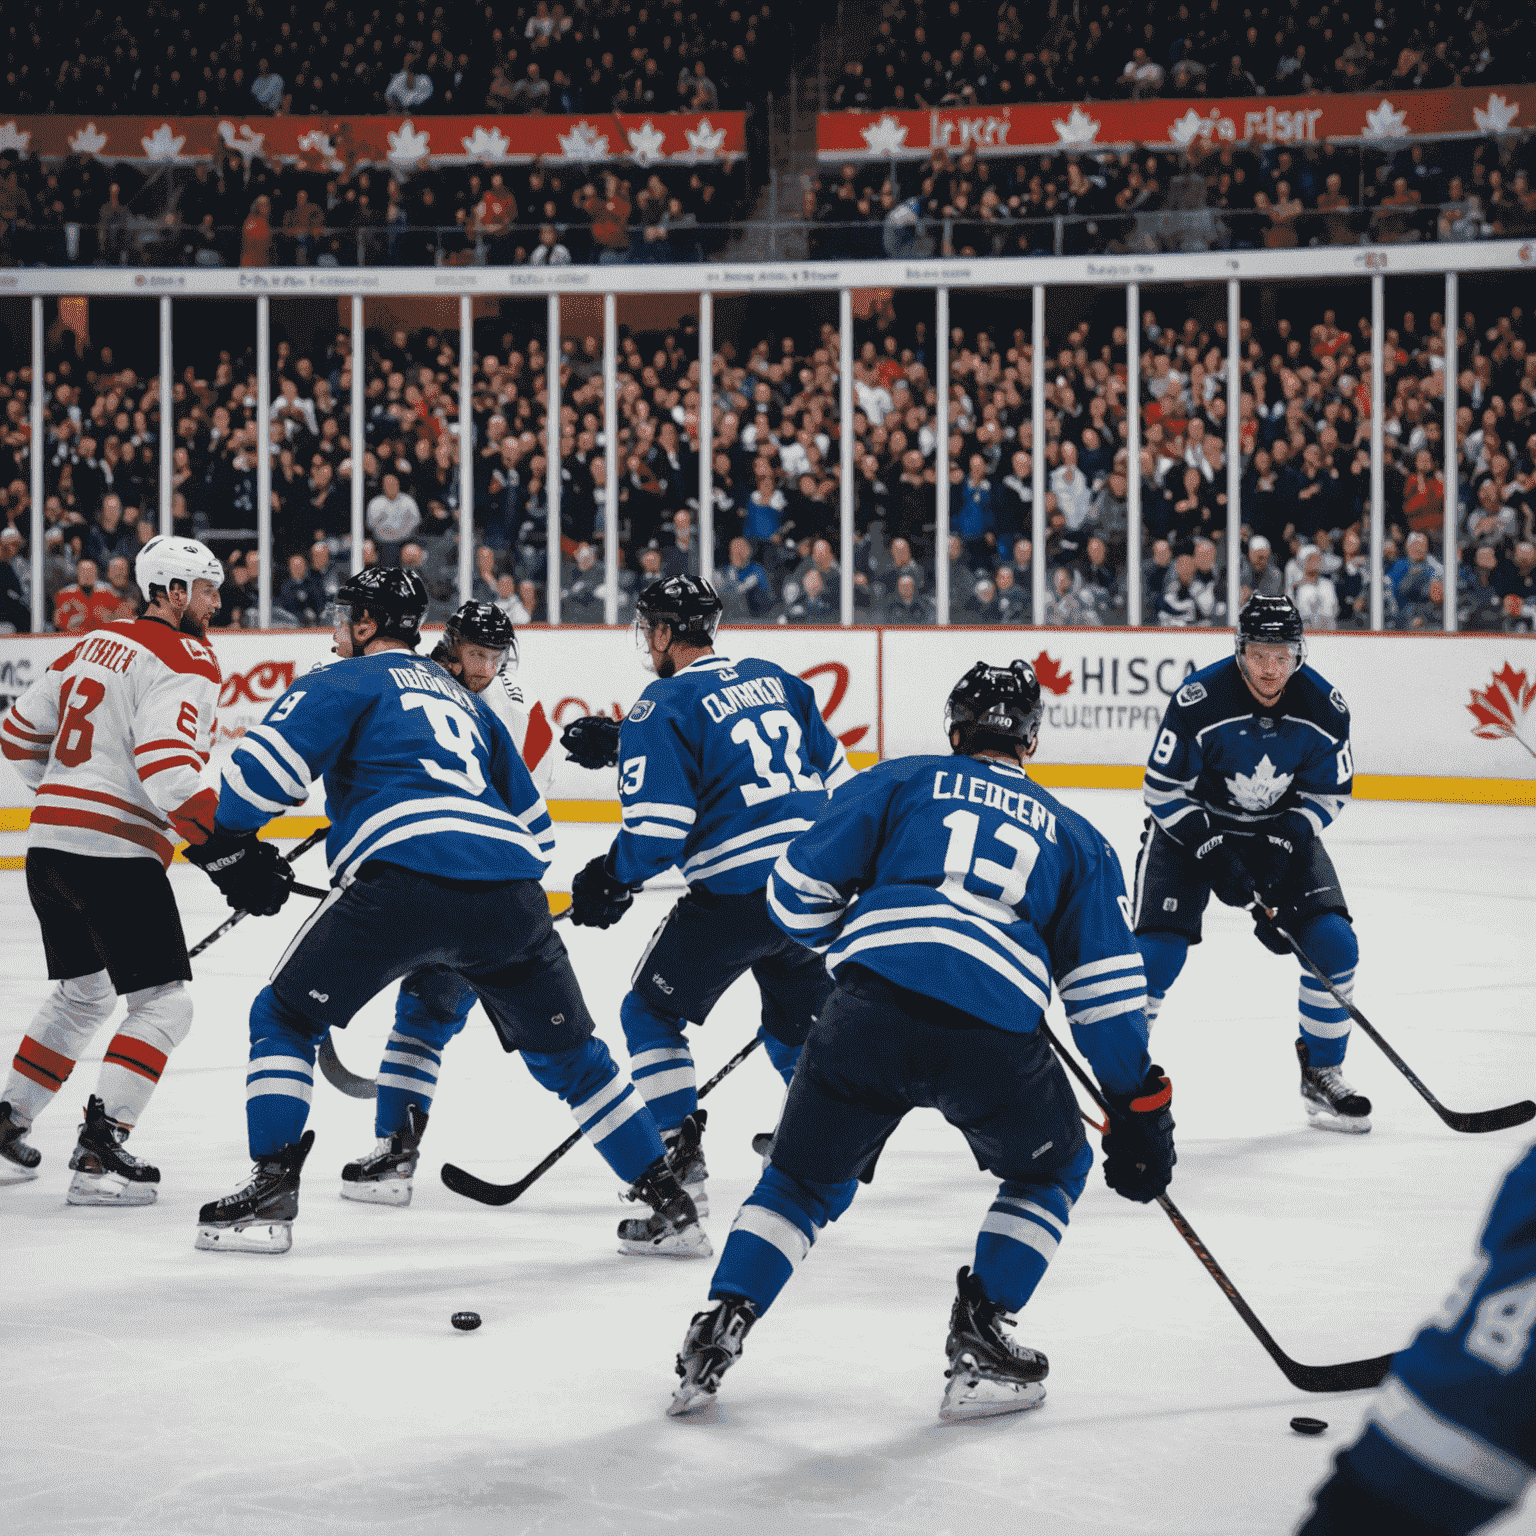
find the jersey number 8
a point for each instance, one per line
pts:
(776, 723)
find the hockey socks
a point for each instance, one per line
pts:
(281, 1077)
(1020, 1234)
(60, 1030)
(659, 1061)
(612, 1116)
(772, 1232)
(407, 1077)
(1325, 1024)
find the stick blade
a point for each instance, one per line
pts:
(1491, 1119)
(336, 1074)
(1349, 1376)
(462, 1182)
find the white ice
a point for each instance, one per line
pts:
(146, 1387)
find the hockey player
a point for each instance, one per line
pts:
(437, 842)
(947, 893)
(1251, 764)
(479, 647)
(112, 739)
(1449, 1445)
(721, 763)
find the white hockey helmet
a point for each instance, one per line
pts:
(167, 558)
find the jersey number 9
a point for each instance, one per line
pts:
(456, 734)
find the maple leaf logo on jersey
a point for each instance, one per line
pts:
(1259, 790)
(1049, 672)
(1503, 709)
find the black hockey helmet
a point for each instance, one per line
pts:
(688, 604)
(395, 599)
(1001, 703)
(1271, 621)
(481, 624)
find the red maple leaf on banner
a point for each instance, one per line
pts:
(1501, 710)
(1052, 678)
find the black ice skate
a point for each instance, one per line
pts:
(685, 1157)
(258, 1217)
(104, 1173)
(1332, 1105)
(18, 1158)
(711, 1347)
(672, 1230)
(988, 1373)
(384, 1176)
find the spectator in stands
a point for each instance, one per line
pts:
(267, 88)
(303, 594)
(581, 593)
(744, 585)
(1101, 583)
(407, 91)
(84, 605)
(906, 604)
(15, 607)
(1185, 600)
(392, 516)
(1013, 601)
(1316, 598)
(609, 217)
(1066, 607)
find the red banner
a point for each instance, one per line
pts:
(1175, 124)
(328, 143)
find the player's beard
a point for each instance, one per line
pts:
(197, 628)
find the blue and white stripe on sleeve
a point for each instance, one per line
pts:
(263, 777)
(1170, 800)
(807, 909)
(1321, 810)
(1104, 989)
(659, 819)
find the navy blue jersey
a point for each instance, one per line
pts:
(418, 772)
(720, 765)
(1452, 1435)
(1223, 760)
(959, 878)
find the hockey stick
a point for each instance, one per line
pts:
(1471, 1121)
(1350, 1376)
(304, 890)
(463, 1183)
(332, 1070)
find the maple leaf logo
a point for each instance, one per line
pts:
(1079, 128)
(885, 137)
(1187, 129)
(246, 143)
(1259, 790)
(486, 144)
(706, 139)
(316, 142)
(1385, 122)
(163, 144)
(12, 138)
(584, 142)
(1048, 671)
(409, 145)
(645, 142)
(89, 141)
(1497, 116)
(1501, 710)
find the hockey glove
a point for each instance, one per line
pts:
(598, 897)
(592, 741)
(1222, 868)
(1265, 932)
(253, 877)
(1138, 1148)
(1287, 846)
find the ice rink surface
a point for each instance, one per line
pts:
(152, 1388)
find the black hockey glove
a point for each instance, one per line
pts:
(592, 741)
(1287, 847)
(598, 897)
(253, 876)
(1138, 1148)
(1265, 932)
(1222, 868)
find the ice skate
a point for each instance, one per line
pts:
(1332, 1105)
(258, 1217)
(711, 1347)
(988, 1373)
(672, 1230)
(104, 1173)
(385, 1175)
(18, 1158)
(685, 1157)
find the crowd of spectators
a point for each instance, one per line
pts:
(945, 53)
(1224, 197)
(71, 56)
(250, 213)
(1305, 475)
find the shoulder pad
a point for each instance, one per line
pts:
(1337, 700)
(1190, 693)
(641, 709)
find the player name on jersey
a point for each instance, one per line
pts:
(735, 697)
(997, 797)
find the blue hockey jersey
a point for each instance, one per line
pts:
(418, 772)
(720, 765)
(959, 878)
(1225, 761)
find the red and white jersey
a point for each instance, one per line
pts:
(527, 725)
(113, 737)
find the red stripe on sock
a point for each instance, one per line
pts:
(136, 1056)
(48, 1069)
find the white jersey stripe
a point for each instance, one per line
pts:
(846, 948)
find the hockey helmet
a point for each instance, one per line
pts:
(169, 557)
(689, 605)
(999, 702)
(1271, 621)
(395, 599)
(475, 623)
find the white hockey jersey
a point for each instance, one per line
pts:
(526, 723)
(112, 739)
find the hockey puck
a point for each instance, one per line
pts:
(467, 1322)
(1302, 1426)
